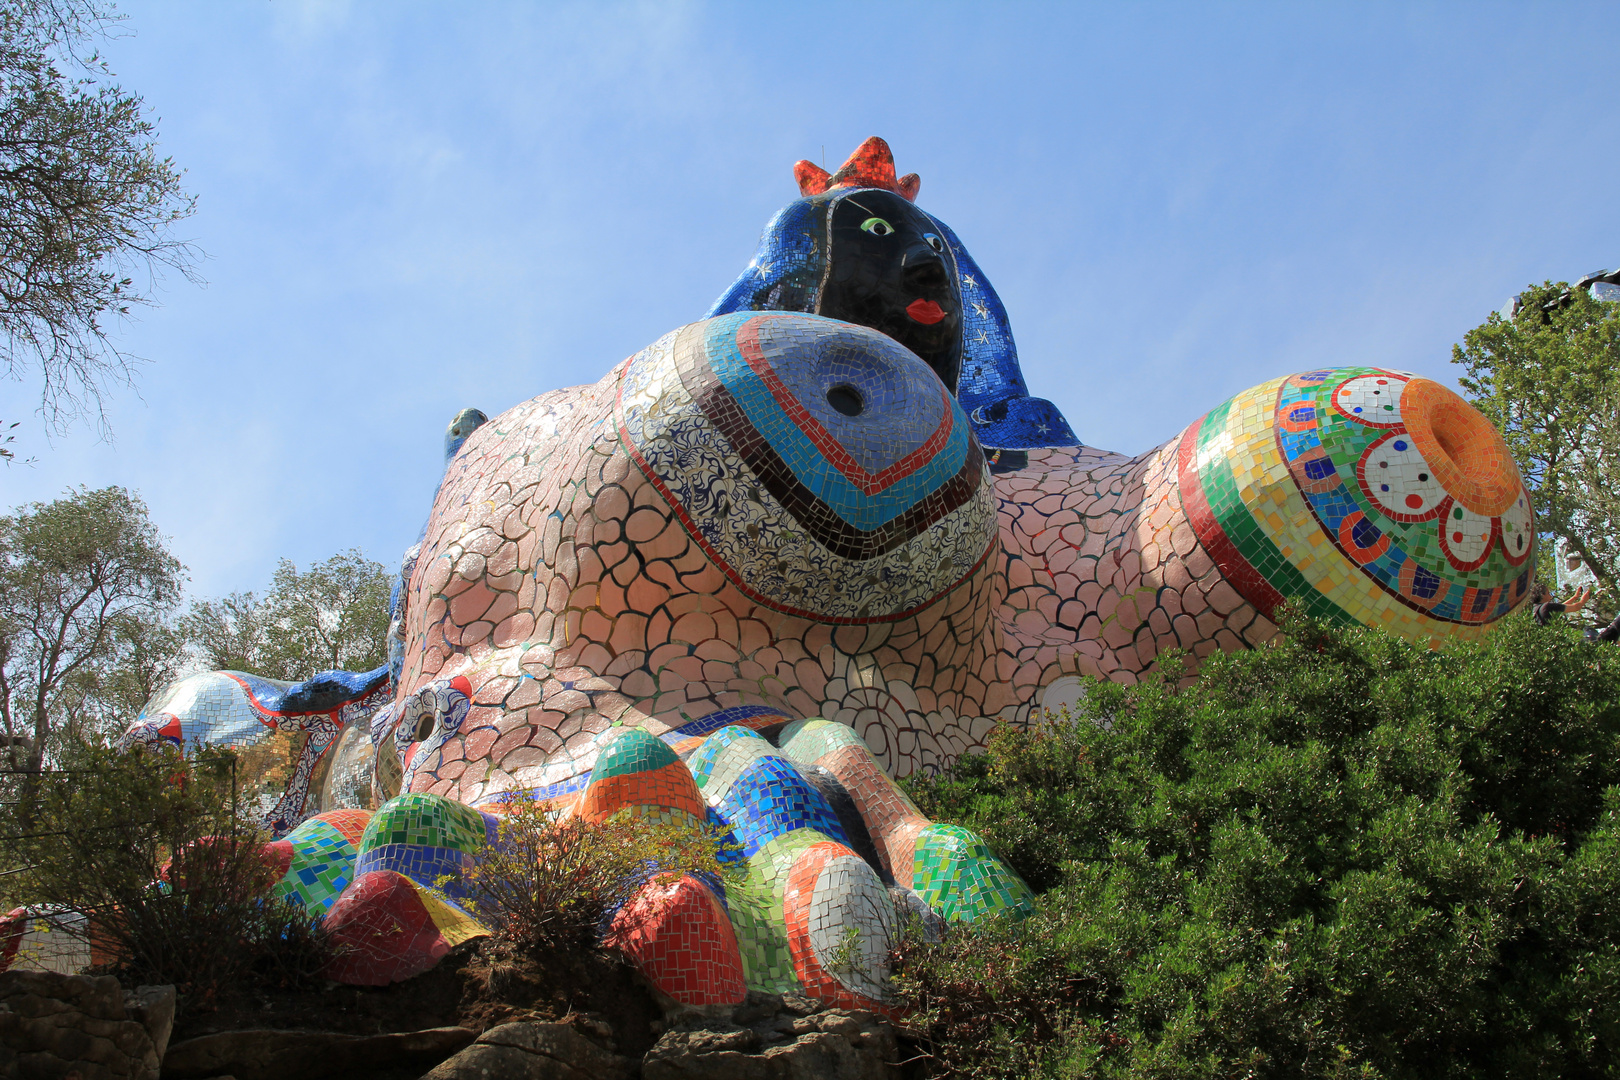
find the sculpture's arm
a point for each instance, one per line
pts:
(234, 708)
(1361, 495)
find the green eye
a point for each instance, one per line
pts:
(877, 226)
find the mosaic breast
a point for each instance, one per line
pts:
(1366, 495)
(821, 465)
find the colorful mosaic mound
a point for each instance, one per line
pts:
(821, 538)
(320, 855)
(427, 839)
(857, 502)
(386, 928)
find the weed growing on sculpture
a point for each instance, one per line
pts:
(553, 882)
(153, 859)
(1342, 855)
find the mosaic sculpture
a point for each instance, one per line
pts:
(820, 538)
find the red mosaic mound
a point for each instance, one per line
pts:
(681, 939)
(382, 932)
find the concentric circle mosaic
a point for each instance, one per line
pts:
(822, 465)
(1367, 495)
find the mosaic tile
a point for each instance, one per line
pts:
(842, 926)
(237, 709)
(723, 757)
(386, 928)
(690, 735)
(681, 938)
(757, 916)
(878, 543)
(1400, 505)
(957, 876)
(770, 799)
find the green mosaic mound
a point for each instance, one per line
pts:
(632, 750)
(322, 866)
(428, 820)
(955, 874)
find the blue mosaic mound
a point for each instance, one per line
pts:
(770, 799)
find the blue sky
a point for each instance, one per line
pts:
(410, 207)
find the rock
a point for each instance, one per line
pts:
(593, 1027)
(829, 1045)
(799, 1005)
(531, 1051)
(58, 1026)
(153, 1008)
(307, 1055)
(758, 1006)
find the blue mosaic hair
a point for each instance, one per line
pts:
(785, 275)
(788, 255)
(323, 692)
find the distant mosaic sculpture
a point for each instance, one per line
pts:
(822, 537)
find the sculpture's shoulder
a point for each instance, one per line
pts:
(1066, 469)
(540, 429)
(550, 453)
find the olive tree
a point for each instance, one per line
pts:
(332, 616)
(85, 585)
(87, 205)
(1549, 379)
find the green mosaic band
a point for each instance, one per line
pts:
(806, 741)
(758, 916)
(1251, 561)
(631, 750)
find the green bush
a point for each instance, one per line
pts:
(154, 849)
(1338, 856)
(551, 881)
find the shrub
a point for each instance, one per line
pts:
(552, 881)
(155, 850)
(1338, 856)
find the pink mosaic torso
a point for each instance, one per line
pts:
(557, 579)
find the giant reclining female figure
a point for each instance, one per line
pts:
(818, 539)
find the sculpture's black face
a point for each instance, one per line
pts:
(889, 268)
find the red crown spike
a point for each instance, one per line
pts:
(812, 178)
(870, 166)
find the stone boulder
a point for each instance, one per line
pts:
(533, 1051)
(153, 1008)
(772, 1037)
(55, 1026)
(307, 1055)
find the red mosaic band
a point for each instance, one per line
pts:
(1195, 504)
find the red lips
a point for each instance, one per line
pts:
(925, 311)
